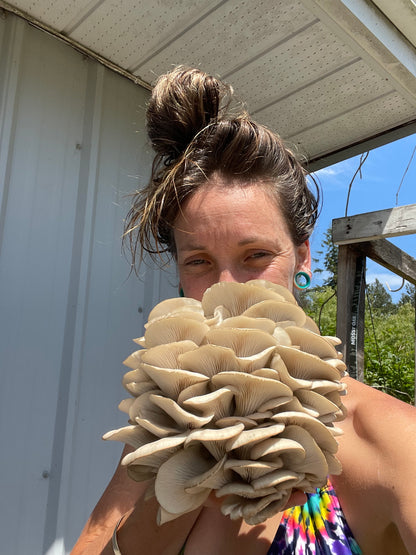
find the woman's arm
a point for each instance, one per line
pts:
(138, 531)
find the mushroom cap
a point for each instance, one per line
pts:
(311, 342)
(274, 447)
(217, 403)
(175, 305)
(248, 323)
(311, 326)
(249, 438)
(172, 329)
(184, 418)
(133, 360)
(175, 475)
(253, 393)
(277, 311)
(172, 380)
(209, 360)
(147, 414)
(131, 435)
(251, 470)
(235, 297)
(243, 342)
(151, 454)
(137, 382)
(320, 433)
(318, 403)
(168, 356)
(278, 289)
(306, 366)
(214, 478)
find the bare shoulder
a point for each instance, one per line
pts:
(380, 419)
(378, 453)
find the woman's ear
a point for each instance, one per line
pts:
(303, 258)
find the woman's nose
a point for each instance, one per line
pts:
(227, 274)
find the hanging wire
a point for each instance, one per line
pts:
(322, 306)
(363, 158)
(405, 172)
(395, 290)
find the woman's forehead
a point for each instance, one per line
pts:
(243, 214)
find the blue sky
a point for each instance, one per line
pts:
(382, 173)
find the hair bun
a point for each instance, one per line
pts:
(183, 102)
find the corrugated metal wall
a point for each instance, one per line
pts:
(72, 146)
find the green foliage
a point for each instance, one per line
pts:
(330, 259)
(380, 298)
(389, 344)
(409, 295)
(321, 305)
(389, 352)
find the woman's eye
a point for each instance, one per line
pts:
(259, 254)
(196, 262)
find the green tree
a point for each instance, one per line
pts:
(379, 298)
(329, 253)
(409, 295)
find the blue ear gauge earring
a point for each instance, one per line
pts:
(302, 280)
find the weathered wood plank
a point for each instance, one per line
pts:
(392, 222)
(350, 308)
(391, 257)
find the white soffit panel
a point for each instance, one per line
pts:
(231, 37)
(299, 66)
(345, 87)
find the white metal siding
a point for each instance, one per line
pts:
(72, 147)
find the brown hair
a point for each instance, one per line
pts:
(194, 137)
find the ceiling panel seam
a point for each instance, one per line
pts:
(81, 16)
(137, 65)
(270, 48)
(310, 83)
(340, 114)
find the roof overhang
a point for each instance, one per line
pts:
(334, 77)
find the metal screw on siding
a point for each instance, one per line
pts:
(78, 146)
(140, 310)
(45, 474)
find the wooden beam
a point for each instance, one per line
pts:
(350, 308)
(391, 257)
(392, 222)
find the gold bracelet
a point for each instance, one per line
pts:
(116, 548)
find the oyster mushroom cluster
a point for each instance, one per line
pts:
(239, 394)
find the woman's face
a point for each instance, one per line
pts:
(234, 232)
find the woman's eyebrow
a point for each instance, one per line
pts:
(253, 239)
(191, 247)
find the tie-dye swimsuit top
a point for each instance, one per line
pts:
(318, 527)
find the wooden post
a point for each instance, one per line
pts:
(350, 308)
(359, 237)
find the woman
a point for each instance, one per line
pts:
(231, 203)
